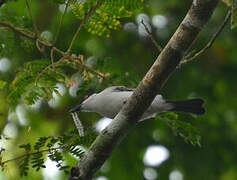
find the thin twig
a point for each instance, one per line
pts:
(22, 32)
(32, 18)
(32, 153)
(52, 55)
(61, 22)
(24, 155)
(188, 59)
(41, 49)
(71, 59)
(158, 47)
(58, 32)
(38, 46)
(28, 34)
(92, 10)
(31, 35)
(47, 68)
(87, 68)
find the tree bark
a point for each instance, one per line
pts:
(166, 63)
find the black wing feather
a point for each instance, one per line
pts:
(122, 88)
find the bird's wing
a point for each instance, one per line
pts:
(121, 89)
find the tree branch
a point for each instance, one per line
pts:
(158, 47)
(166, 63)
(210, 43)
(61, 22)
(31, 17)
(22, 32)
(31, 35)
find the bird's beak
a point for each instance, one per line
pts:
(75, 109)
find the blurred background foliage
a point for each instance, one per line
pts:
(151, 151)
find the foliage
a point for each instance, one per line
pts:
(181, 128)
(54, 147)
(37, 79)
(6, 41)
(34, 82)
(108, 16)
(127, 58)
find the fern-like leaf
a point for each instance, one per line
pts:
(35, 81)
(183, 129)
(108, 16)
(24, 166)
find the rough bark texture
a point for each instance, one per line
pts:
(166, 63)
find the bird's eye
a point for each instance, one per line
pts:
(85, 97)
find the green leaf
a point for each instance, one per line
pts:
(52, 142)
(24, 166)
(108, 16)
(35, 80)
(183, 129)
(76, 151)
(27, 147)
(37, 161)
(40, 143)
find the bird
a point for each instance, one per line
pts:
(109, 102)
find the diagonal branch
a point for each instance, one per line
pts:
(32, 18)
(210, 43)
(61, 22)
(166, 63)
(22, 32)
(158, 47)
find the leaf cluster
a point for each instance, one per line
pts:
(34, 81)
(37, 79)
(181, 128)
(55, 148)
(108, 16)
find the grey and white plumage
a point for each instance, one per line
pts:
(109, 102)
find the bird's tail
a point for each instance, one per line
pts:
(194, 106)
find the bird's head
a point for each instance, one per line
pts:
(85, 103)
